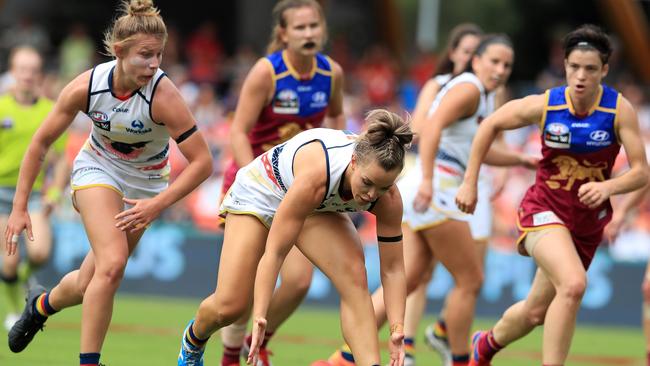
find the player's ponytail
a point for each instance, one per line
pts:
(137, 16)
(385, 140)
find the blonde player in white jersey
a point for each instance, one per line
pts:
(120, 176)
(299, 192)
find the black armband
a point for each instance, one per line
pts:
(186, 134)
(389, 239)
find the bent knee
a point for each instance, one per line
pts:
(112, 270)
(222, 314)
(298, 284)
(471, 283)
(358, 277)
(535, 316)
(573, 290)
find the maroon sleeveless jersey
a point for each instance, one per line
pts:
(575, 150)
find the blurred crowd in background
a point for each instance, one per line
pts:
(210, 79)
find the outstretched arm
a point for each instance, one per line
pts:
(461, 100)
(515, 114)
(388, 211)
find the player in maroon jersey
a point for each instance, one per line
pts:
(562, 216)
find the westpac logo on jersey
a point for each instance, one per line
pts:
(137, 127)
(599, 138)
(286, 102)
(318, 100)
(100, 120)
(557, 135)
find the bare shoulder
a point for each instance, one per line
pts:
(262, 72)
(310, 160)
(337, 70)
(626, 109)
(430, 86)
(75, 94)
(165, 89)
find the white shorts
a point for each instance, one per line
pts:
(446, 181)
(252, 194)
(92, 171)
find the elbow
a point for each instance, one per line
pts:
(207, 167)
(644, 176)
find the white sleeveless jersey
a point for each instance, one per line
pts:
(124, 132)
(338, 146)
(456, 139)
(260, 186)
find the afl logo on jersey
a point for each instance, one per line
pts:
(286, 102)
(599, 138)
(100, 120)
(557, 135)
(318, 100)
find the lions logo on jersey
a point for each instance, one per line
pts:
(286, 102)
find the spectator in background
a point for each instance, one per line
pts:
(378, 73)
(26, 32)
(21, 112)
(76, 52)
(204, 54)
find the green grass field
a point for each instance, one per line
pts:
(146, 331)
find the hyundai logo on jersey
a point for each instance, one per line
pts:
(557, 135)
(599, 138)
(318, 100)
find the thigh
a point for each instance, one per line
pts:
(555, 253)
(452, 244)
(243, 245)
(296, 267)
(98, 207)
(331, 242)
